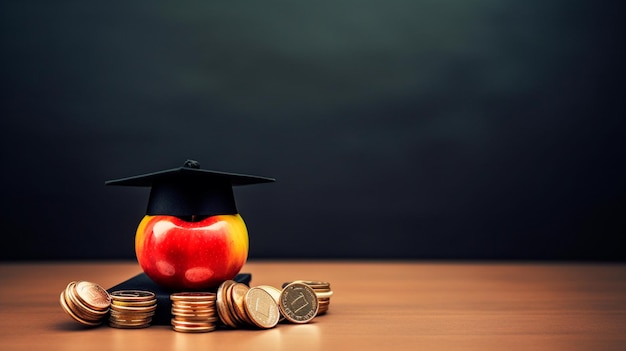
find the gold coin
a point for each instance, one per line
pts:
(238, 294)
(138, 313)
(129, 316)
(182, 312)
(133, 303)
(130, 319)
(315, 284)
(229, 298)
(193, 329)
(192, 310)
(133, 309)
(193, 296)
(298, 303)
(80, 309)
(191, 323)
(128, 325)
(132, 295)
(71, 313)
(78, 305)
(223, 310)
(175, 309)
(261, 308)
(322, 295)
(92, 295)
(212, 318)
(193, 304)
(275, 292)
(187, 306)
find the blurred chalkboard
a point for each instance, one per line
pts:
(395, 129)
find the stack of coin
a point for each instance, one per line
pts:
(86, 302)
(240, 306)
(322, 291)
(131, 309)
(298, 302)
(194, 312)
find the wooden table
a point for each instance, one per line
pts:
(375, 306)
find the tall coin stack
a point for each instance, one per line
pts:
(86, 302)
(194, 312)
(322, 291)
(132, 309)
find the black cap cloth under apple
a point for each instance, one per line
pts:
(190, 191)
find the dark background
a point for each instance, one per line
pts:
(395, 129)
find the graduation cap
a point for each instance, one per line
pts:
(190, 191)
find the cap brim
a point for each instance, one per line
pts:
(192, 174)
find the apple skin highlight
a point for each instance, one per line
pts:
(182, 255)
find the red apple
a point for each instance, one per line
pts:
(182, 255)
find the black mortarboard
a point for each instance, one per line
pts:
(190, 191)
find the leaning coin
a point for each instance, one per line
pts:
(274, 291)
(223, 309)
(80, 309)
(238, 294)
(261, 308)
(71, 313)
(298, 303)
(92, 295)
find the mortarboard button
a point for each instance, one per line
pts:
(189, 191)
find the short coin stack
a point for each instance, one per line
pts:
(194, 312)
(241, 306)
(322, 291)
(132, 309)
(86, 302)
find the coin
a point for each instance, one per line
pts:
(92, 295)
(321, 295)
(261, 308)
(186, 311)
(190, 323)
(183, 329)
(298, 302)
(238, 294)
(194, 312)
(71, 313)
(193, 296)
(132, 295)
(129, 325)
(87, 305)
(315, 284)
(133, 303)
(275, 292)
(322, 290)
(132, 309)
(80, 308)
(223, 309)
(195, 303)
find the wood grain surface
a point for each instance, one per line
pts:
(376, 305)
